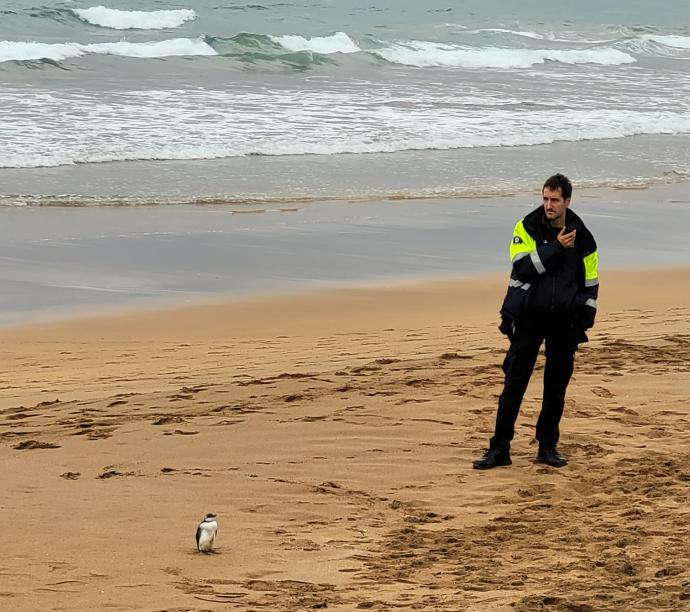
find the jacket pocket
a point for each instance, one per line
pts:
(514, 304)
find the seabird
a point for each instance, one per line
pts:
(206, 533)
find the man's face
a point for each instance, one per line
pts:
(554, 206)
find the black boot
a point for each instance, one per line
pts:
(494, 457)
(551, 456)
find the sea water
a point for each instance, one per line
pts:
(165, 101)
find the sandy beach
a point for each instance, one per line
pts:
(333, 433)
(252, 257)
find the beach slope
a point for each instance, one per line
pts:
(333, 434)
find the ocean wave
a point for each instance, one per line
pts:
(652, 45)
(259, 50)
(549, 37)
(424, 54)
(161, 48)
(243, 41)
(295, 52)
(281, 132)
(299, 52)
(524, 34)
(24, 51)
(678, 42)
(134, 20)
(325, 45)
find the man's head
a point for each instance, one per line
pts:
(556, 193)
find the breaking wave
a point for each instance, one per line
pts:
(134, 20)
(679, 42)
(26, 51)
(176, 127)
(423, 54)
(300, 52)
(337, 43)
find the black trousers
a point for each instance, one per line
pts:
(560, 345)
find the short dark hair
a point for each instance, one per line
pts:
(559, 182)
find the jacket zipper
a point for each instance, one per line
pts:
(553, 291)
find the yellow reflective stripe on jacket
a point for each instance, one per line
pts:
(522, 243)
(591, 263)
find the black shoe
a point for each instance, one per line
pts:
(551, 457)
(494, 457)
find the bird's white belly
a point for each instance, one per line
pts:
(206, 540)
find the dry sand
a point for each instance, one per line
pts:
(333, 435)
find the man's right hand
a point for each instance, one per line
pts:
(567, 240)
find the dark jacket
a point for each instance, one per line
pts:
(549, 278)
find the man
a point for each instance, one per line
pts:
(551, 299)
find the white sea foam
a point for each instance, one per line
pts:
(548, 37)
(430, 54)
(160, 48)
(23, 51)
(679, 42)
(525, 34)
(130, 20)
(337, 43)
(168, 124)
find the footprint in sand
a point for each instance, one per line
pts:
(165, 420)
(34, 444)
(106, 473)
(180, 432)
(117, 403)
(602, 392)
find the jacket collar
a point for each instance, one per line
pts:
(537, 217)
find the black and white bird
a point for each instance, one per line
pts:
(206, 533)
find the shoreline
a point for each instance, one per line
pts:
(310, 294)
(260, 203)
(70, 261)
(333, 434)
(407, 173)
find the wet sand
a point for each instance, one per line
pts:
(58, 262)
(333, 435)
